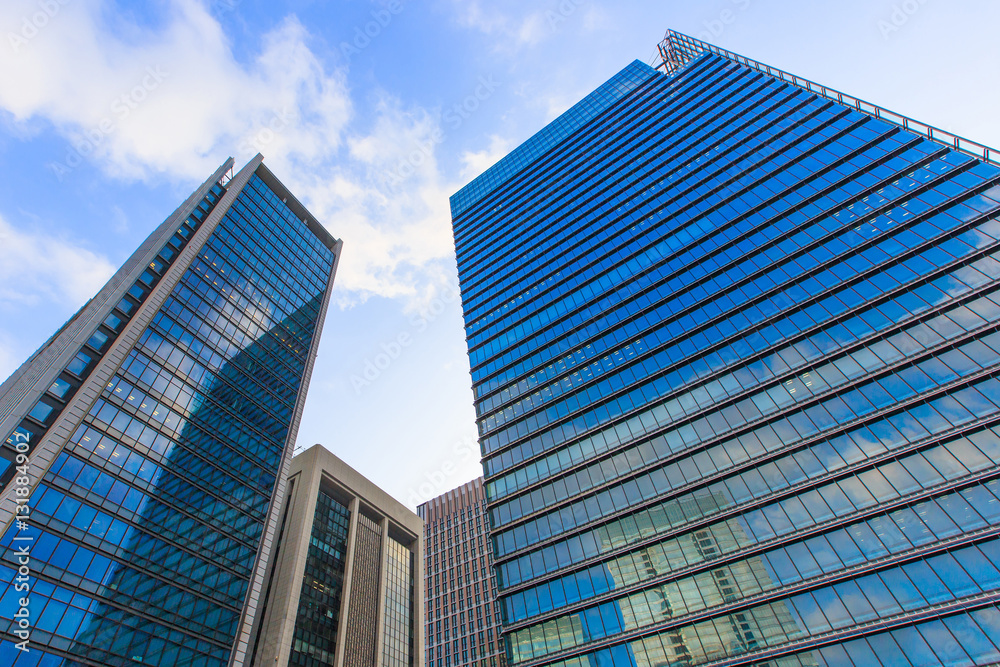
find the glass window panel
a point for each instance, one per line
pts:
(929, 585)
(898, 476)
(879, 596)
(968, 454)
(836, 656)
(836, 499)
(860, 653)
(60, 388)
(972, 639)
(922, 471)
(809, 612)
(961, 512)
(982, 568)
(845, 547)
(835, 611)
(953, 575)
(855, 602)
(916, 649)
(989, 622)
(902, 589)
(887, 650)
(866, 540)
(41, 412)
(936, 519)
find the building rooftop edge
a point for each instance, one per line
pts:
(550, 135)
(314, 225)
(451, 493)
(677, 50)
(370, 492)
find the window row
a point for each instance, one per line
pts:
(916, 422)
(908, 343)
(897, 532)
(929, 261)
(886, 482)
(970, 638)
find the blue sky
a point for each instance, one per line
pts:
(375, 112)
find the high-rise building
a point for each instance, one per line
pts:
(463, 620)
(346, 584)
(148, 440)
(734, 345)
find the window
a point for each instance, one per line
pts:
(41, 412)
(80, 364)
(60, 388)
(98, 341)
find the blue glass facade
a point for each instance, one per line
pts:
(146, 528)
(735, 354)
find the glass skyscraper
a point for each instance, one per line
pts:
(735, 340)
(151, 435)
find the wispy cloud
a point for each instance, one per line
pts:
(476, 162)
(512, 31)
(86, 78)
(41, 269)
(94, 84)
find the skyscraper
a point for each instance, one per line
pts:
(151, 435)
(463, 620)
(734, 345)
(345, 586)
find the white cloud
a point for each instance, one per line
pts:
(173, 101)
(42, 270)
(390, 205)
(513, 32)
(476, 162)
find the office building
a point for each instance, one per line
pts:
(158, 424)
(463, 621)
(346, 582)
(734, 345)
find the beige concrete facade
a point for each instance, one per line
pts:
(319, 469)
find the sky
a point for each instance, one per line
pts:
(374, 112)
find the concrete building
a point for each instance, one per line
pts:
(463, 619)
(346, 583)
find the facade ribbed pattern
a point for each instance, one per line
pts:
(362, 622)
